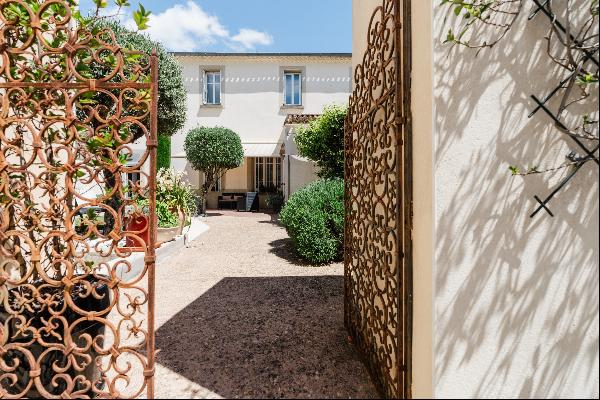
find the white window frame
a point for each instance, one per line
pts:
(261, 167)
(217, 186)
(278, 171)
(293, 94)
(212, 86)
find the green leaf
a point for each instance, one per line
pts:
(101, 3)
(141, 17)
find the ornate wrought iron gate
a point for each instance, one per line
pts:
(77, 198)
(378, 278)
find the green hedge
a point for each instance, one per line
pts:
(322, 140)
(163, 156)
(172, 109)
(314, 219)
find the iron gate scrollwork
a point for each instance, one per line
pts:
(77, 191)
(378, 186)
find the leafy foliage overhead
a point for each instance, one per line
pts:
(323, 141)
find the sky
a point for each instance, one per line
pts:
(246, 25)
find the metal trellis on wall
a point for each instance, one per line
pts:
(378, 179)
(589, 62)
(77, 118)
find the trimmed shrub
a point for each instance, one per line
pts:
(314, 219)
(322, 141)
(163, 152)
(213, 151)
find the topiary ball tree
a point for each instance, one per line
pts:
(314, 219)
(213, 151)
(322, 141)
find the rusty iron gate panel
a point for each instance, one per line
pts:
(378, 185)
(77, 190)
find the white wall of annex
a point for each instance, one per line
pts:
(516, 298)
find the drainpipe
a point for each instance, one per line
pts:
(287, 156)
(288, 176)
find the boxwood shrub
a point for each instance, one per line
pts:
(314, 219)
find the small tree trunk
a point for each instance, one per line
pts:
(203, 193)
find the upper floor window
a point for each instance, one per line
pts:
(293, 89)
(212, 87)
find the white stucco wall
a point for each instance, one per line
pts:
(516, 299)
(508, 307)
(252, 94)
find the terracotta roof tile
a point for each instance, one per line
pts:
(292, 119)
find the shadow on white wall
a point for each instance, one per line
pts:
(516, 299)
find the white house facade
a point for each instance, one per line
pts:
(262, 97)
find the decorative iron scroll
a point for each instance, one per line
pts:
(77, 197)
(378, 281)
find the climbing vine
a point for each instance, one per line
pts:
(571, 44)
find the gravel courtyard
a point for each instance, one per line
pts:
(239, 316)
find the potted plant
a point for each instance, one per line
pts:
(275, 201)
(168, 222)
(175, 203)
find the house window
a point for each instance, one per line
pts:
(212, 87)
(259, 173)
(267, 174)
(293, 89)
(217, 186)
(278, 170)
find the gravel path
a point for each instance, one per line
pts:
(239, 316)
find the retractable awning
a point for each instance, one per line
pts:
(261, 149)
